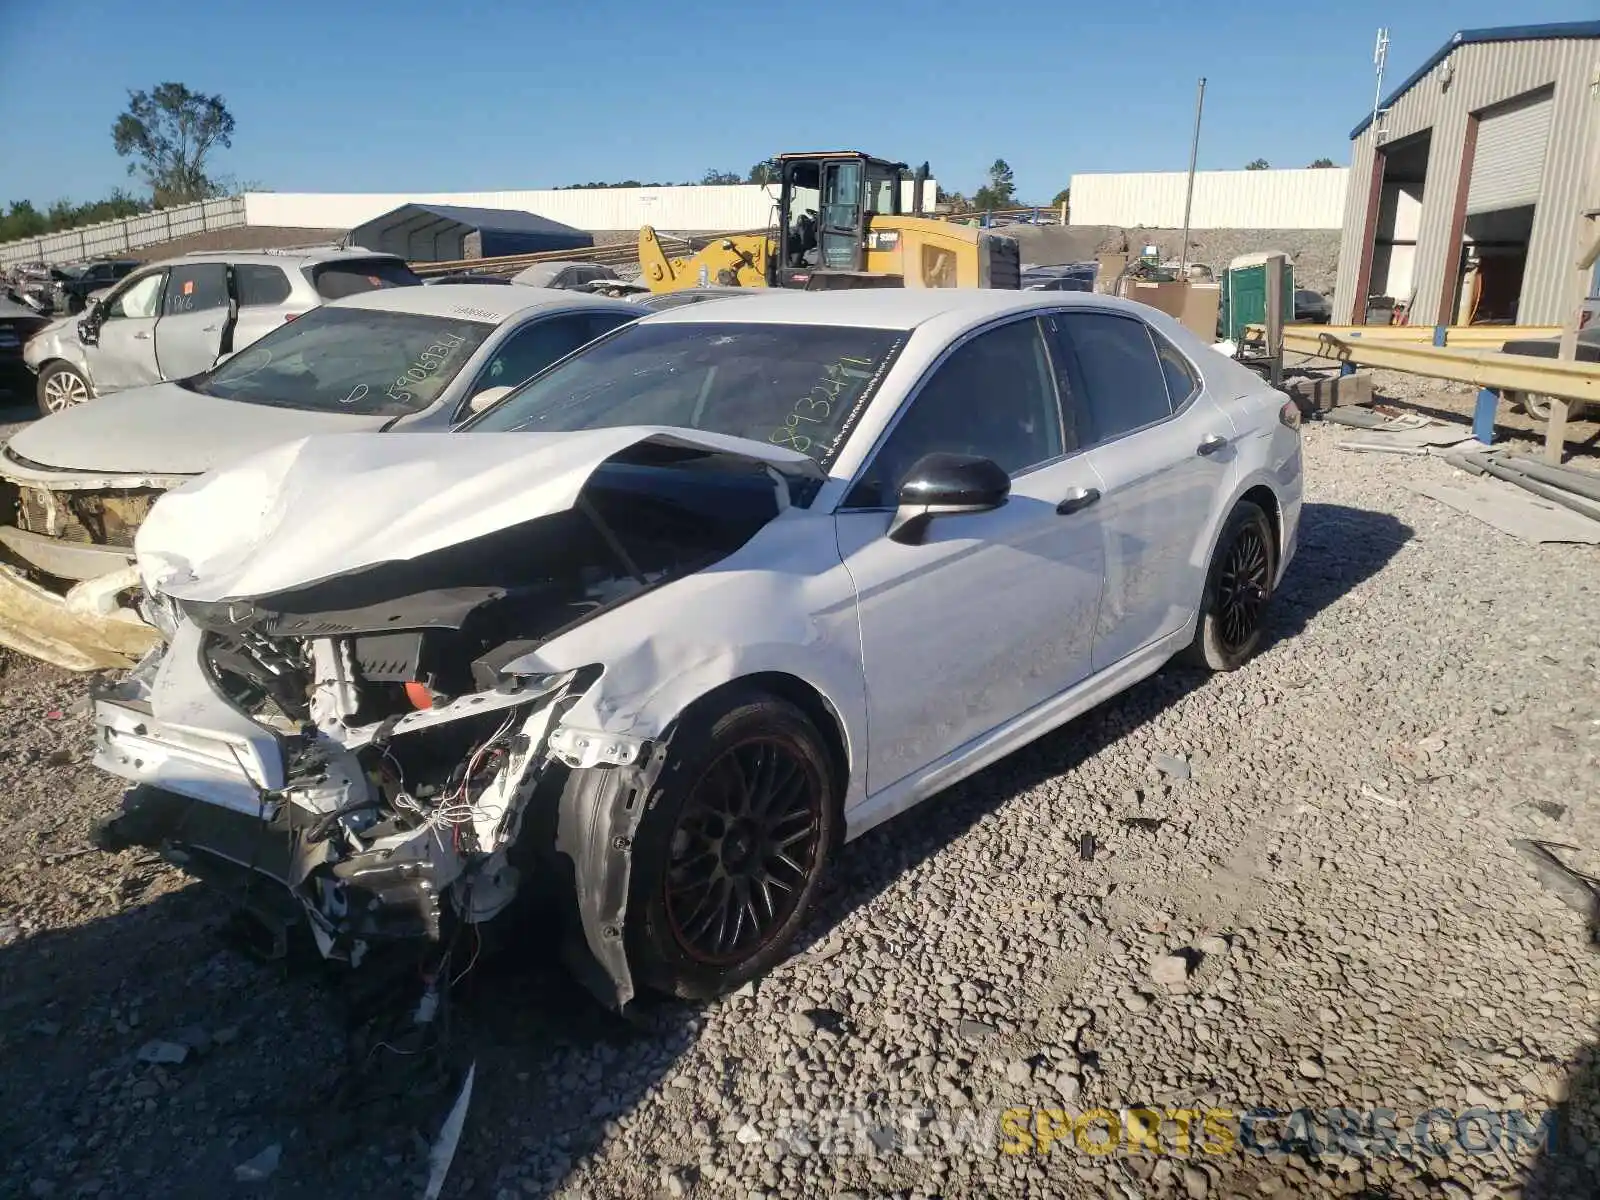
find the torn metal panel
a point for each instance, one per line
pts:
(1512, 511)
(76, 637)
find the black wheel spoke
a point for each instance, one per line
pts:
(747, 841)
(1243, 581)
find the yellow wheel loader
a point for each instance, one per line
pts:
(839, 224)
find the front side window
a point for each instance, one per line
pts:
(141, 298)
(799, 386)
(197, 287)
(349, 360)
(993, 397)
(1123, 385)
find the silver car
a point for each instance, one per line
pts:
(76, 486)
(173, 319)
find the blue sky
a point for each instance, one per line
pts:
(403, 95)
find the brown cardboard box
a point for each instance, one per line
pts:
(1194, 305)
(1108, 268)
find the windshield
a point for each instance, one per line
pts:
(349, 360)
(800, 386)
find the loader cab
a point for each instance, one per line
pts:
(825, 204)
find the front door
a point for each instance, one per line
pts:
(194, 316)
(123, 354)
(1162, 448)
(994, 612)
(840, 218)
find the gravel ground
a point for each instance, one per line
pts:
(1302, 893)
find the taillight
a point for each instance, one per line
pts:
(1289, 415)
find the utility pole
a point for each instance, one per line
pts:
(1188, 197)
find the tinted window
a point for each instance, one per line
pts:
(349, 360)
(534, 347)
(993, 396)
(1182, 381)
(195, 287)
(338, 279)
(259, 285)
(799, 386)
(1123, 386)
(139, 299)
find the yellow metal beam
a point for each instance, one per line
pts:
(1482, 368)
(1484, 336)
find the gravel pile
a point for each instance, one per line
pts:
(1313, 253)
(1290, 886)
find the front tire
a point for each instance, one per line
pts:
(61, 385)
(1238, 589)
(731, 847)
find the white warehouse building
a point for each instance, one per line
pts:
(1313, 198)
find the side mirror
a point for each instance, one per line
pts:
(946, 485)
(89, 326)
(487, 397)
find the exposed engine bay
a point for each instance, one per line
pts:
(375, 742)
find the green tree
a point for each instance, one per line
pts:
(765, 171)
(1064, 196)
(1000, 191)
(1323, 162)
(1259, 164)
(721, 177)
(169, 133)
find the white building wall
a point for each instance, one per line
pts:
(1301, 199)
(722, 208)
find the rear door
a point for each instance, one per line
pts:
(261, 291)
(1162, 448)
(195, 314)
(123, 351)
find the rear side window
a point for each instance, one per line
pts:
(1123, 385)
(336, 280)
(258, 285)
(1182, 382)
(195, 287)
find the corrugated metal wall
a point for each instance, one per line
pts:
(111, 238)
(1483, 75)
(1301, 199)
(736, 206)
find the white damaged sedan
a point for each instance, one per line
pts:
(667, 624)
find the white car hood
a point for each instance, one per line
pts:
(166, 429)
(323, 506)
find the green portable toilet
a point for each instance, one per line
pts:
(1244, 293)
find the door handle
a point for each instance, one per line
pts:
(1211, 443)
(1080, 499)
(141, 336)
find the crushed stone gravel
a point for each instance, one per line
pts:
(1334, 873)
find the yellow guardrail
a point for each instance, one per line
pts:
(1487, 368)
(1489, 336)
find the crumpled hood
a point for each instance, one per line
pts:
(322, 506)
(166, 429)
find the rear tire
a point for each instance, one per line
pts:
(1238, 590)
(730, 848)
(61, 385)
(1537, 406)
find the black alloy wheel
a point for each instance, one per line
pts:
(1243, 584)
(746, 843)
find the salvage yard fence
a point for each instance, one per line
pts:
(110, 238)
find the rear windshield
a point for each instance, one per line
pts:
(349, 360)
(335, 280)
(800, 386)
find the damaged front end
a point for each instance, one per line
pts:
(380, 746)
(68, 586)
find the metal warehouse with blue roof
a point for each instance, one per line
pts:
(1468, 180)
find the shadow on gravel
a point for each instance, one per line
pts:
(81, 1115)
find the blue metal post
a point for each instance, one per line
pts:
(1483, 416)
(1347, 368)
(1439, 335)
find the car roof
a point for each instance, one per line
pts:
(882, 308)
(304, 256)
(479, 302)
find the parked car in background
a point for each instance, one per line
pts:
(174, 318)
(75, 486)
(1312, 308)
(661, 301)
(18, 323)
(670, 622)
(1588, 350)
(435, 280)
(83, 280)
(1040, 281)
(575, 275)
